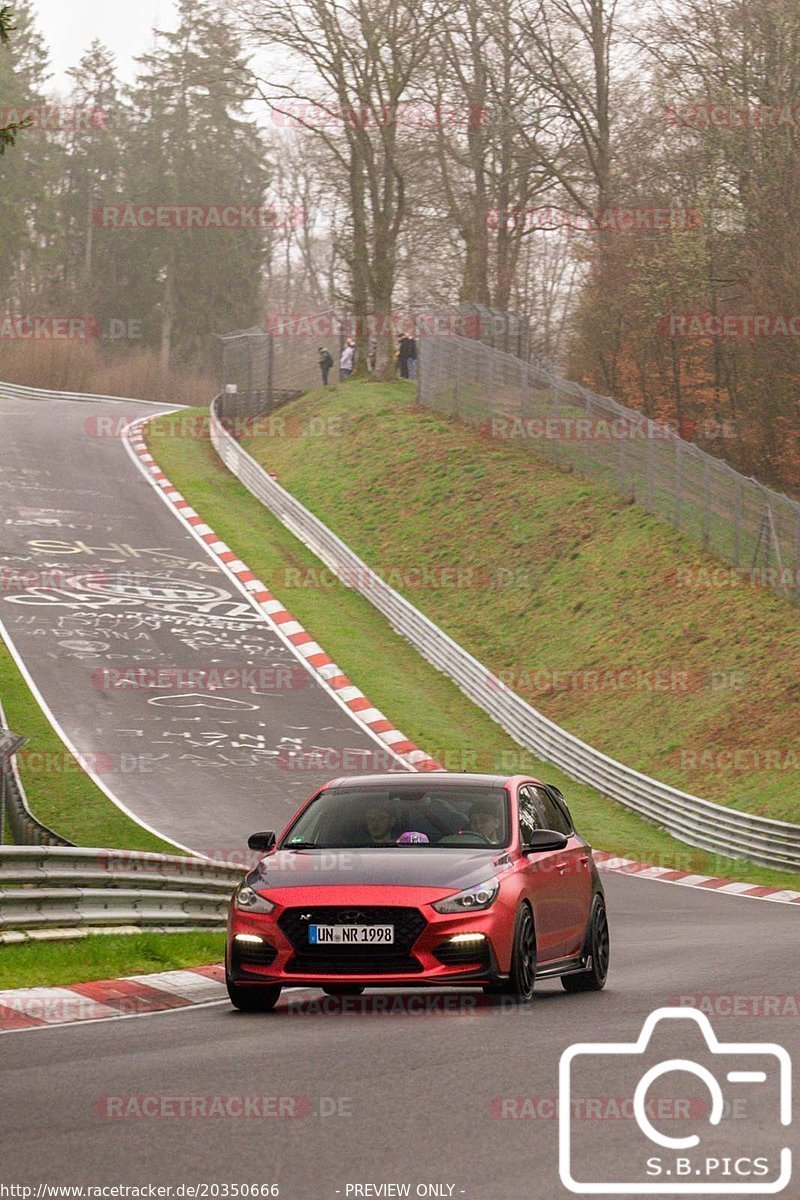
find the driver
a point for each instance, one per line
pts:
(485, 820)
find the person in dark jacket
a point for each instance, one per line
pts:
(407, 351)
(325, 364)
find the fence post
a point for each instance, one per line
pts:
(651, 429)
(678, 482)
(270, 370)
(621, 457)
(588, 440)
(525, 396)
(737, 528)
(555, 406)
(706, 502)
(249, 376)
(490, 398)
(456, 382)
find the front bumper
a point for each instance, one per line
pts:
(424, 954)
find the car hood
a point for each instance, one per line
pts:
(403, 866)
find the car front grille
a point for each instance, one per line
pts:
(347, 959)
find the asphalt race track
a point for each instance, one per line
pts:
(414, 1097)
(456, 1092)
(99, 580)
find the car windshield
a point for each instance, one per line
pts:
(357, 817)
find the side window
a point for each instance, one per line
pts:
(538, 810)
(534, 810)
(567, 825)
(556, 816)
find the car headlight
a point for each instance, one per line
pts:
(482, 895)
(247, 900)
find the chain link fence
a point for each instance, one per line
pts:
(755, 530)
(262, 369)
(265, 366)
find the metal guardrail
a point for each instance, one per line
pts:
(16, 391)
(48, 889)
(690, 818)
(26, 829)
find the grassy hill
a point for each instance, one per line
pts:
(405, 487)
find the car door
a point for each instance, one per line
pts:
(547, 881)
(573, 867)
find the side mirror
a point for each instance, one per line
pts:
(546, 839)
(261, 841)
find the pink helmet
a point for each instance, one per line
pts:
(412, 838)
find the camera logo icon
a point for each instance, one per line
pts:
(728, 1106)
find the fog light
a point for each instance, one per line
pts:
(247, 937)
(462, 939)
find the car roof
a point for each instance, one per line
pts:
(438, 779)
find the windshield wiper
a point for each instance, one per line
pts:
(301, 846)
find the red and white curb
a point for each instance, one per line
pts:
(289, 630)
(109, 999)
(708, 883)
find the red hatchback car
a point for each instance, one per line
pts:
(420, 880)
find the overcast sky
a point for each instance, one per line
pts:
(69, 26)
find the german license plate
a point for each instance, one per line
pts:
(351, 935)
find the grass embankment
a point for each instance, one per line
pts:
(106, 956)
(410, 489)
(59, 791)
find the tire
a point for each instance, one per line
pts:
(598, 952)
(253, 999)
(343, 989)
(522, 976)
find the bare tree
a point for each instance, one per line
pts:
(364, 54)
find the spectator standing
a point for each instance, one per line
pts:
(412, 358)
(403, 355)
(325, 364)
(347, 360)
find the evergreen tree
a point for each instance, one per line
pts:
(193, 145)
